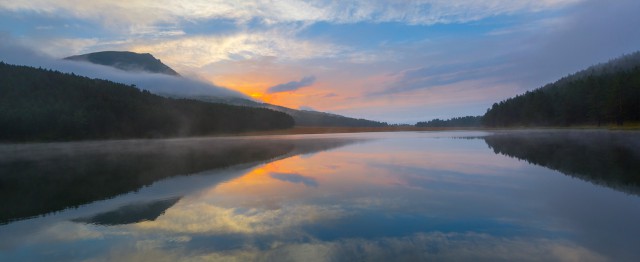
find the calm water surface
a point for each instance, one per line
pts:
(510, 196)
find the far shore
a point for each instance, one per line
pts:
(338, 130)
(330, 130)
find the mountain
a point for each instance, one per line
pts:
(607, 93)
(130, 61)
(127, 61)
(301, 117)
(38, 104)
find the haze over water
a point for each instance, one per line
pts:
(506, 196)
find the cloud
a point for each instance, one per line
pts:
(293, 85)
(295, 178)
(435, 76)
(12, 53)
(140, 12)
(62, 47)
(463, 74)
(594, 32)
(199, 51)
(329, 95)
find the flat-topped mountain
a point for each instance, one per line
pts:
(130, 61)
(127, 61)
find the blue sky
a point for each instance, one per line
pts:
(396, 61)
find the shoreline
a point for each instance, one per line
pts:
(338, 130)
(345, 130)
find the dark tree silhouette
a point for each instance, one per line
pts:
(38, 104)
(465, 121)
(603, 94)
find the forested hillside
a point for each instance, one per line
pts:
(301, 117)
(603, 94)
(38, 104)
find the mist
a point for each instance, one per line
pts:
(13, 53)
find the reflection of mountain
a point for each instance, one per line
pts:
(132, 213)
(604, 158)
(41, 178)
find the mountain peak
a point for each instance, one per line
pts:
(127, 61)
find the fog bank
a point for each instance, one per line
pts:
(13, 53)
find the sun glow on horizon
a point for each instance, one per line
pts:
(254, 87)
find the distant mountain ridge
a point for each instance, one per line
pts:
(130, 61)
(301, 117)
(127, 61)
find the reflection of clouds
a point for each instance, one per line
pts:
(68, 231)
(372, 202)
(201, 217)
(295, 178)
(418, 247)
(436, 179)
(447, 247)
(380, 201)
(156, 255)
(463, 162)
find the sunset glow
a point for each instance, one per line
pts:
(399, 62)
(319, 130)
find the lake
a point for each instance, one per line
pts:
(404, 196)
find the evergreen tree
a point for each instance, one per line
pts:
(38, 104)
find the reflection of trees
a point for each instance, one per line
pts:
(604, 158)
(48, 178)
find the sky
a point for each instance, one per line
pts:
(399, 61)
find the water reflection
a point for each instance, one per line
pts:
(131, 213)
(295, 178)
(605, 158)
(415, 196)
(40, 178)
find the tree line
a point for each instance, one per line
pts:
(465, 121)
(603, 94)
(40, 104)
